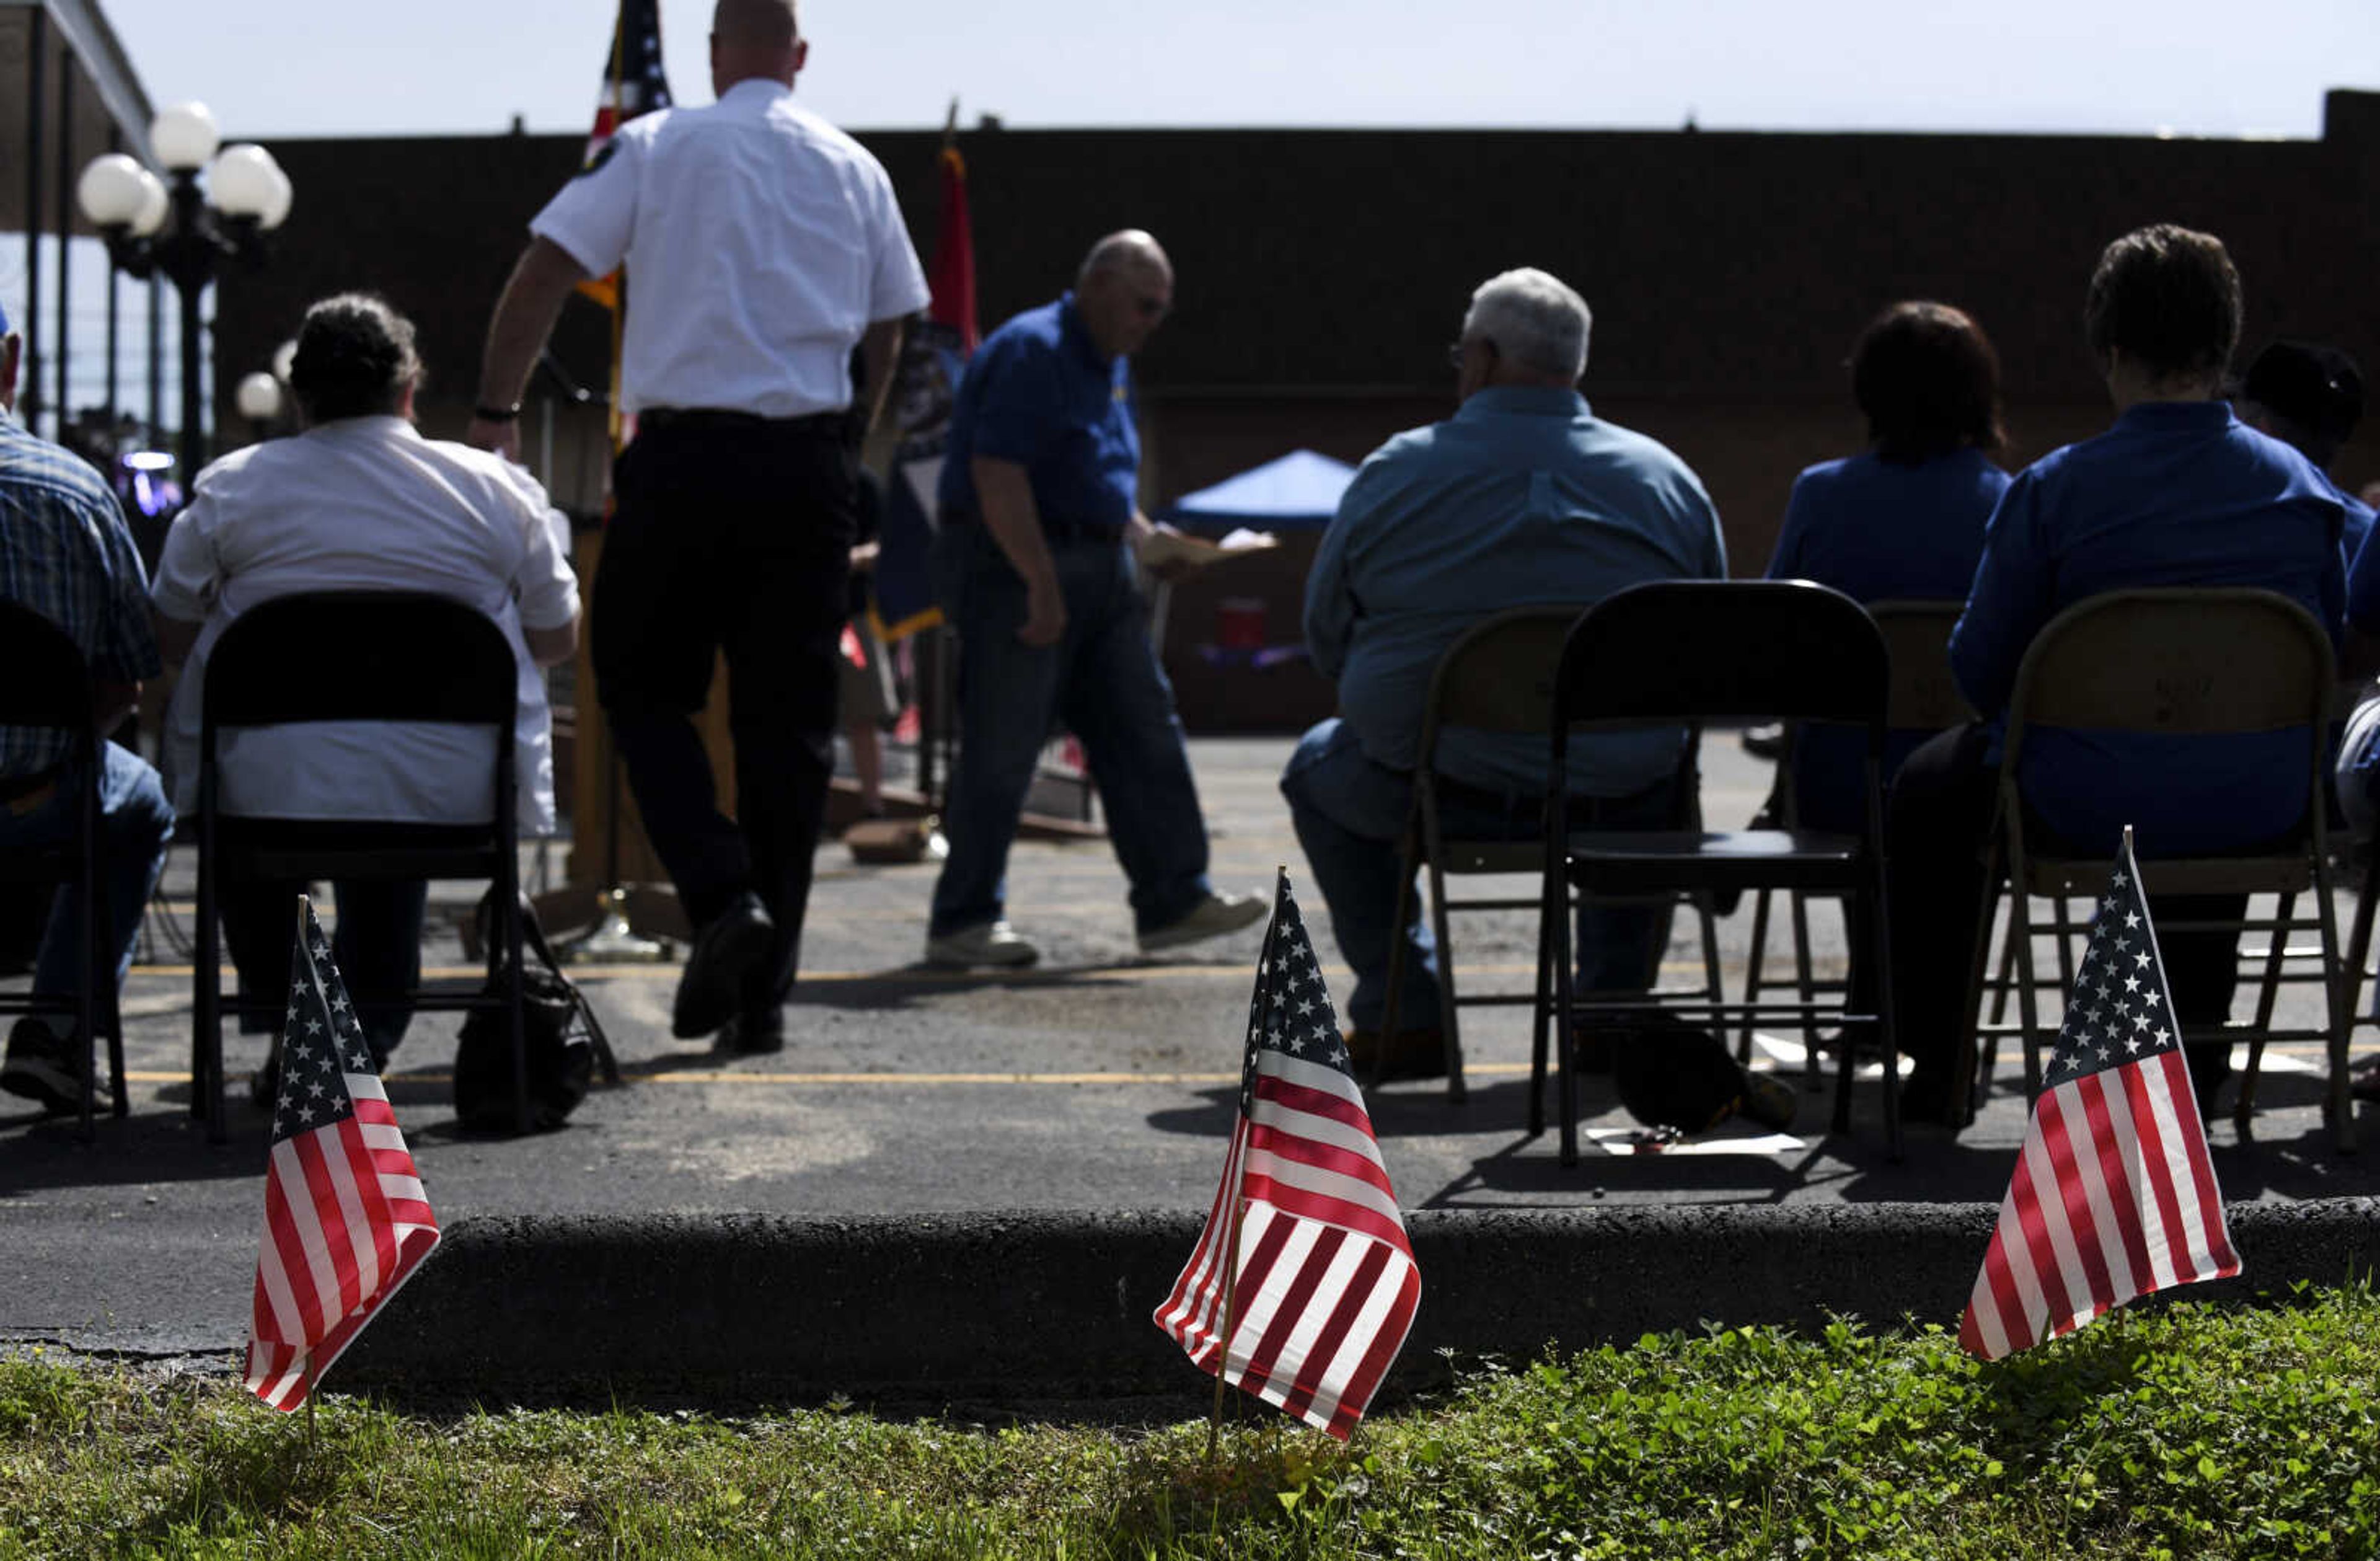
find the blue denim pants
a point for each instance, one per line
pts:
(135, 824)
(1101, 682)
(1350, 812)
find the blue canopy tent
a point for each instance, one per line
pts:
(1236, 660)
(1300, 489)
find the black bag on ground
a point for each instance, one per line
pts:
(1671, 1074)
(562, 1031)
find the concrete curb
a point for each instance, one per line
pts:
(1041, 1307)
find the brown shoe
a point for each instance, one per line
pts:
(1411, 1053)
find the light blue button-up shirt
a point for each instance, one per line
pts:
(1524, 497)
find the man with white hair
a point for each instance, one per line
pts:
(1523, 497)
(1039, 528)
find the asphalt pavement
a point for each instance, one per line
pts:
(1093, 1088)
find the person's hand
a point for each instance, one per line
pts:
(504, 438)
(862, 557)
(1171, 570)
(1045, 616)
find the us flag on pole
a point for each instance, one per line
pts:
(2114, 1195)
(345, 1220)
(633, 85)
(1323, 1289)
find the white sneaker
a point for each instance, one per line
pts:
(993, 943)
(1212, 917)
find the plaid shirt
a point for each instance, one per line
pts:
(66, 553)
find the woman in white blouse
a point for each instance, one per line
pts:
(361, 500)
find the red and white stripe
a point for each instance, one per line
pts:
(346, 1224)
(1326, 1285)
(2114, 1197)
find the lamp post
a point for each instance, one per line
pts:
(245, 196)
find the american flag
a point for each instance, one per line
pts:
(634, 84)
(632, 80)
(2114, 1195)
(1326, 1285)
(345, 1220)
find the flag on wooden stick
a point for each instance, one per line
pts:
(345, 1219)
(2114, 1194)
(1303, 1285)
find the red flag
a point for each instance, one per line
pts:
(952, 274)
(2114, 1195)
(345, 1219)
(1303, 1262)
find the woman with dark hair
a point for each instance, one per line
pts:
(1904, 519)
(2178, 493)
(360, 500)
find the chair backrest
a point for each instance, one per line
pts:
(1499, 675)
(1725, 649)
(1923, 696)
(47, 683)
(2185, 661)
(359, 655)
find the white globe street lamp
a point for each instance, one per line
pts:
(245, 195)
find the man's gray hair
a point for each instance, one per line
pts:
(1535, 318)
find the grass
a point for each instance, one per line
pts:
(2187, 1431)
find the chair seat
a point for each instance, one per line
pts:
(1650, 860)
(1490, 856)
(2051, 877)
(338, 849)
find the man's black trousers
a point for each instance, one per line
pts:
(729, 534)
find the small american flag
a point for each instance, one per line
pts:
(345, 1220)
(2114, 1195)
(1326, 1285)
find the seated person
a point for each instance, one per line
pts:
(360, 500)
(1522, 497)
(1902, 520)
(2179, 492)
(66, 553)
(2309, 397)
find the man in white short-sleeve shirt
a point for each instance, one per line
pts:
(759, 244)
(360, 501)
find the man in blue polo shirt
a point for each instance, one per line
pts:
(1041, 525)
(2179, 492)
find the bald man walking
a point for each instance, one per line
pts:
(1039, 530)
(761, 243)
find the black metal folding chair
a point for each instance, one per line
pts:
(1498, 678)
(355, 655)
(1689, 652)
(1925, 697)
(48, 685)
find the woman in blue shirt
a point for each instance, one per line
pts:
(2178, 493)
(1904, 520)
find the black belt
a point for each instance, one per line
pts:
(659, 419)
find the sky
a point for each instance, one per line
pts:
(288, 68)
(324, 68)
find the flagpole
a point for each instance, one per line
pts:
(1240, 1164)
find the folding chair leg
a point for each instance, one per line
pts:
(1540, 1021)
(1887, 1036)
(2359, 940)
(206, 1000)
(87, 934)
(1565, 1023)
(1804, 986)
(1970, 1064)
(1751, 982)
(2342, 1105)
(1449, 1035)
(2027, 1000)
(2277, 950)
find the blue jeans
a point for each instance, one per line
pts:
(1101, 682)
(1350, 812)
(136, 823)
